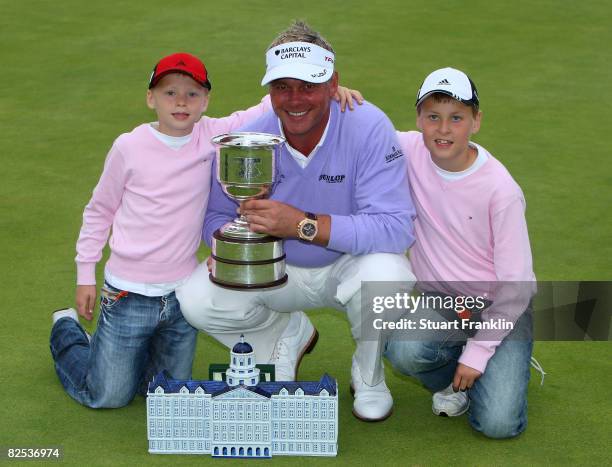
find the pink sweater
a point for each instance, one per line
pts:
(154, 198)
(470, 230)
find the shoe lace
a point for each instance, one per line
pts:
(280, 357)
(280, 350)
(538, 367)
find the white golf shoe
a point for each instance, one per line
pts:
(372, 403)
(298, 338)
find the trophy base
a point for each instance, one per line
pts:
(239, 229)
(234, 286)
(247, 263)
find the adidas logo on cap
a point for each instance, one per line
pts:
(449, 81)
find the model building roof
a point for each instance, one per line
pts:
(267, 389)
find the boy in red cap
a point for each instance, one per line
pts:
(153, 193)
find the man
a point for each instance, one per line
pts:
(342, 204)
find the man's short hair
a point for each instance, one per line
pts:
(299, 31)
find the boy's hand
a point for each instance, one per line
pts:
(464, 377)
(85, 300)
(209, 264)
(345, 96)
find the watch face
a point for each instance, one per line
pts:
(309, 229)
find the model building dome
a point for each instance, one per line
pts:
(242, 347)
(242, 369)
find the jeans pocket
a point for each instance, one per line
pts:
(110, 295)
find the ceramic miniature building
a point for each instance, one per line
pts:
(243, 416)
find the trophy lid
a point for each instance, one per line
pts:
(248, 139)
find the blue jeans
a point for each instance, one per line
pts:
(498, 399)
(136, 337)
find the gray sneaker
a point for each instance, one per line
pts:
(448, 403)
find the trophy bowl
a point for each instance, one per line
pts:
(242, 259)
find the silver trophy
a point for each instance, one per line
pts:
(242, 259)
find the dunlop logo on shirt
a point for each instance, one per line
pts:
(331, 178)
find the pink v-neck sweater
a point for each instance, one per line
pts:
(154, 199)
(469, 230)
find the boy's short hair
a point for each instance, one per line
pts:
(442, 97)
(185, 63)
(449, 83)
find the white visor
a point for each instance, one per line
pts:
(299, 60)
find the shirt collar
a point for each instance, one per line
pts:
(297, 154)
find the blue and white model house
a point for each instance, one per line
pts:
(243, 416)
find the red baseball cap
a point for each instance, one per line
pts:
(180, 63)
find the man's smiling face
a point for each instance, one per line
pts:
(303, 108)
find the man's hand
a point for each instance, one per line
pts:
(209, 264)
(85, 300)
(345, 96)
(464, 377)
(272, 217)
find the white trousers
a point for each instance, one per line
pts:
(262, 315)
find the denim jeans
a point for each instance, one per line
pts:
(498, 399)
(136, 337)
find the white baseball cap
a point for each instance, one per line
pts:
(449, 81)
(299, 60)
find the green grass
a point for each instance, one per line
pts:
(74, 77)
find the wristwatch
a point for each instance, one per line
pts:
(307, 228)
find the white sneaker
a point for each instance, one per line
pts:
(68, 313)
(372, 403)
(298, 338)
(65, 313)
(449, 403)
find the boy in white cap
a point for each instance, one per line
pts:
(471, 240)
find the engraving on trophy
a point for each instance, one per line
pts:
(248, 168)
